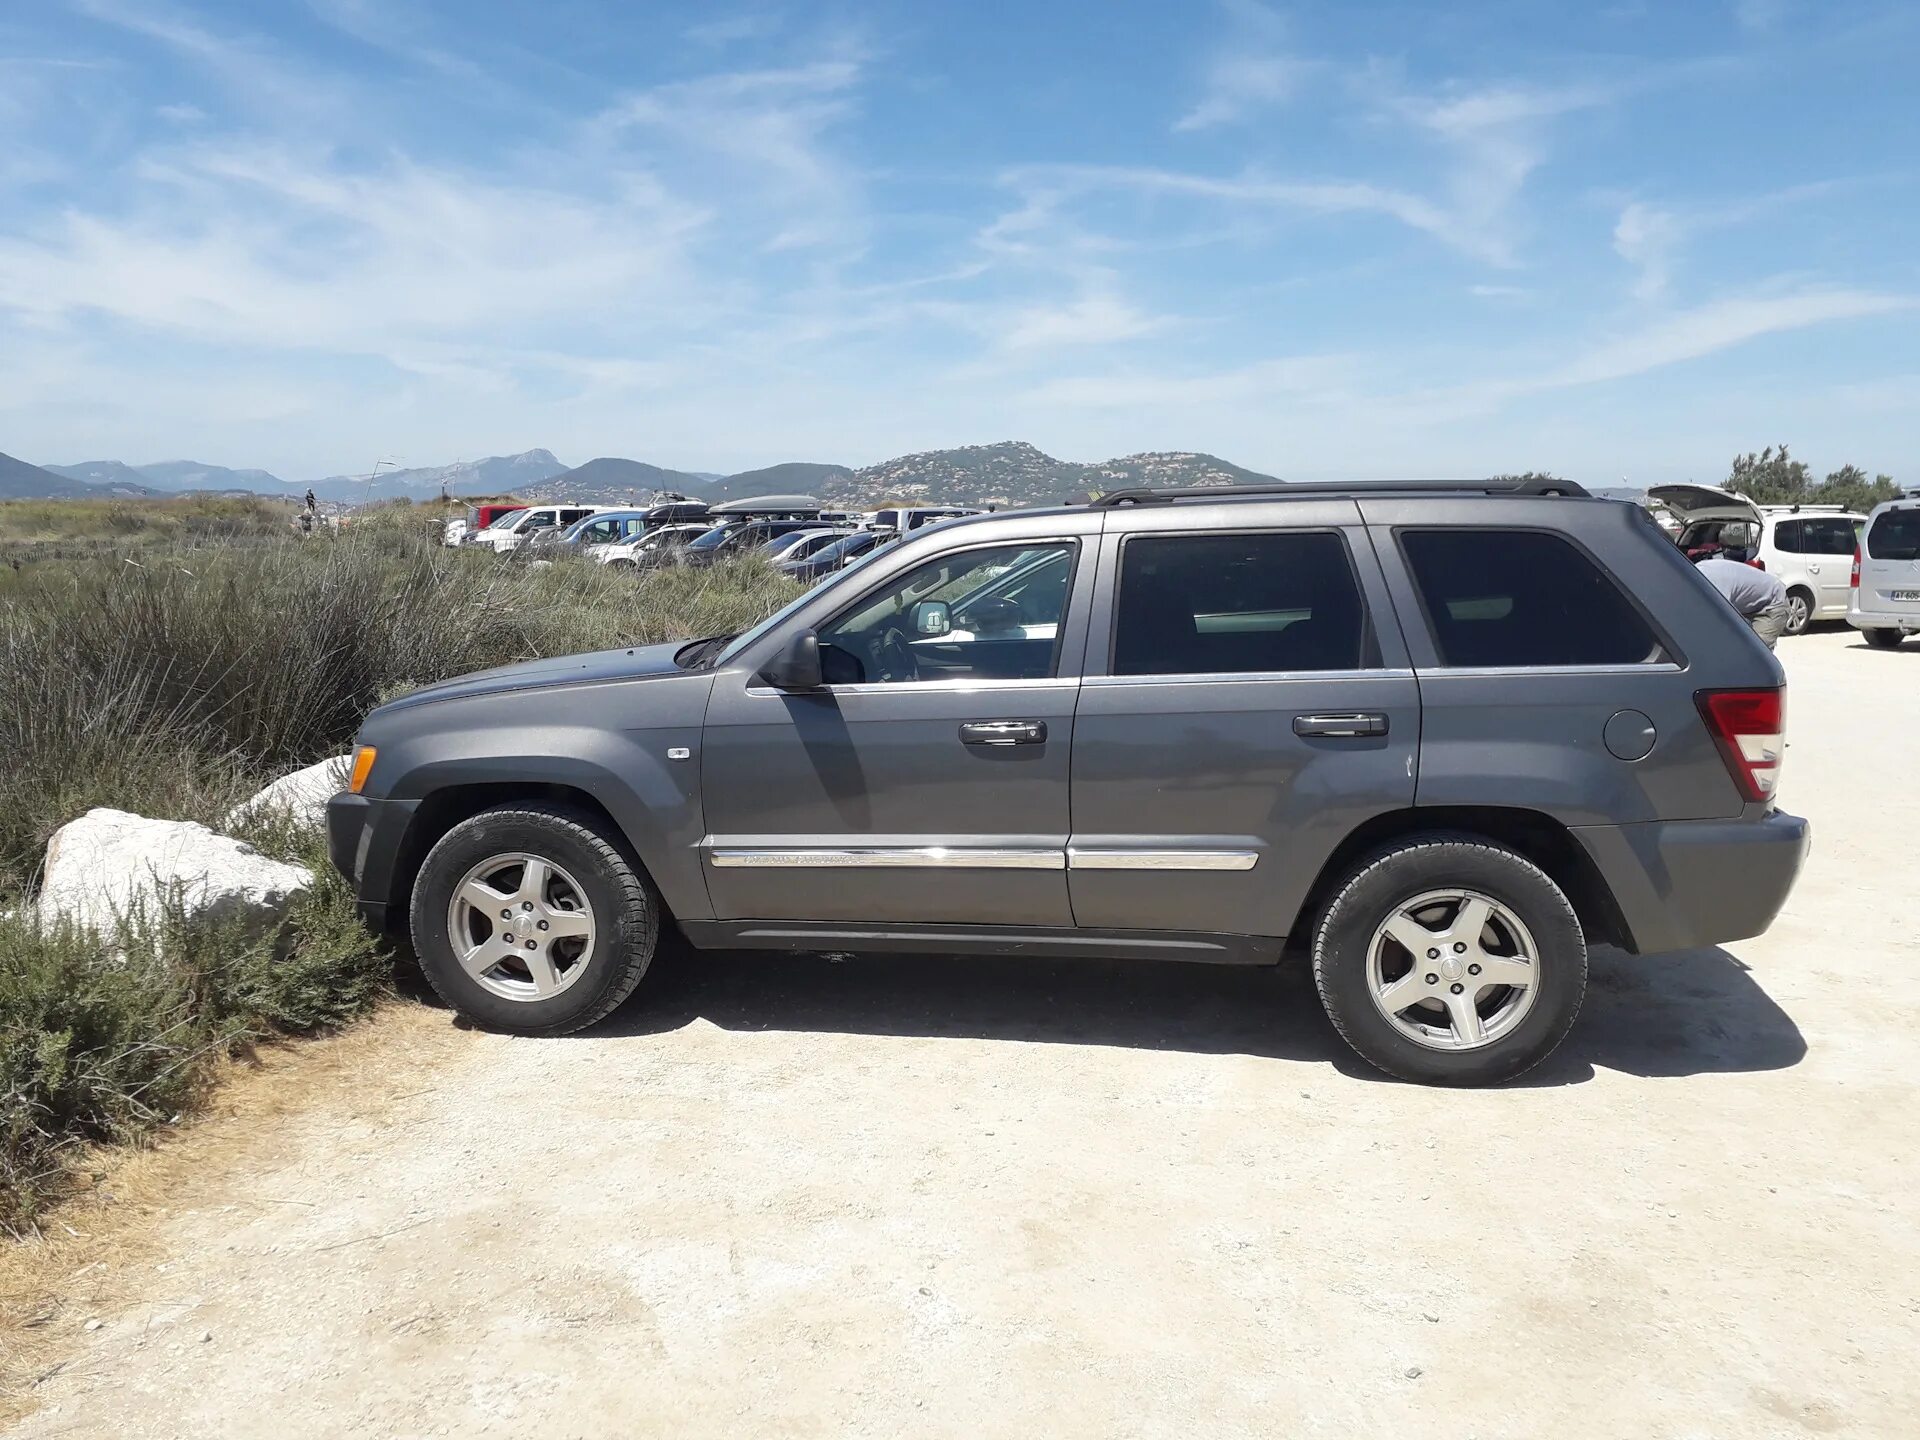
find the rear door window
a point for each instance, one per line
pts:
(1790, 536)
(1522, 598)
(1235, 604)
(1895, 535)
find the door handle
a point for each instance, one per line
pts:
(1003, 732)
(1350, 727)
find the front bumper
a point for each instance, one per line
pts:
(1686, 883)
(364, 840)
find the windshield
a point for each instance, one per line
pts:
(713, 539)
(784, 543)
(850, 545)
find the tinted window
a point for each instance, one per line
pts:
(1517, 597)
(1235, 604)
(989, 614)
(1829, 537)
(1895, 536)
(1789, 535)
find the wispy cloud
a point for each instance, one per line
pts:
(1645, 237)
(1250, 71)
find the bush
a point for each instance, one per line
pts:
(174, 688)
(171, 688)
(103, 1038)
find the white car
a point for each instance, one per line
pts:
(512, 531)
(1886, 574)
(1808, 548)
(657, 544)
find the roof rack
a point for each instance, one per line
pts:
(1145, 495)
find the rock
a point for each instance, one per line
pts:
(108, 864)
(303, 795)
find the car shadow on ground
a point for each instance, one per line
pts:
(1689, 1013)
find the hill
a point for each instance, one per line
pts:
(494, 475)
(611, 481)
(21, 481)
(194, 475)
(796, 477)
(1013, 473)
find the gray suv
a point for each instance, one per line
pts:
(1437, 737)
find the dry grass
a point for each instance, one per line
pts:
(97, 1256)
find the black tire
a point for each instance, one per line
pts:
(1799, 611)
(1390, 878)
(1884, 638)
(625, 908)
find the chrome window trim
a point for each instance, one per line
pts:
(916, 857)
(1643, 667)
(1106, 857)
(904, 687)
(1230, 677)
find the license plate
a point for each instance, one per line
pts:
(1906, 594)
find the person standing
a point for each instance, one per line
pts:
(1760, 598)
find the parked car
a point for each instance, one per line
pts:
(1885, 604)
(798, 544)
(513, 531)
(1808, 548)
(603, 528)
(846, 551)
(662, 545)
(1438, 737)
(742, 525)
(907, 519)
(478, 518)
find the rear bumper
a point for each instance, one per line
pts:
(1684, 883)
(364, 838)
(1903, 620)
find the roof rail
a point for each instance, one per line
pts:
(1145, 495)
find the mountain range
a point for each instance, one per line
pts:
(1008, 473)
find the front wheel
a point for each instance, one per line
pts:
(1885, 638)
(527, 919)
(1450, 961)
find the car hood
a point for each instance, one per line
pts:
(1704, 502)
(643, 662)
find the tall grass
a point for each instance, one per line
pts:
(174, 688)
(170, 687)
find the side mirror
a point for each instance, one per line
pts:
(797, 666)
(932, 617)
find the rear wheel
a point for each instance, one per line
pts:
(1450, 961)
(1885, 638)
(529, 920)
(1799, 611)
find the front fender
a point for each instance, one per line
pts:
(609, 743)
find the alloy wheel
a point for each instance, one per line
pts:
(1453, 969)
(521, 926)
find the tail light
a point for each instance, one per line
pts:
(1750, 729)
(1757, 563)
(1855, 580)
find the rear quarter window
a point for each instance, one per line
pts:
(1522, 598)
(1894, 535)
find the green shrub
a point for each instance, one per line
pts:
(175, 687)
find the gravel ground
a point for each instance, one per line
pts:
(966, 1198)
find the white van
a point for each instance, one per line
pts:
(1886, 574)
(1808, 548)
(513, 531)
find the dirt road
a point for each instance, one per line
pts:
(963, 1198)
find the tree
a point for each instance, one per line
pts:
(1770, 478)
(1773, 477)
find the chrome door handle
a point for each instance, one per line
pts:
(1350, 727)
(1003, 732)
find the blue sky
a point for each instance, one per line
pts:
(1611, 240)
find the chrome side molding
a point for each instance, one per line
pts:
(1114, 858)
(928, 857)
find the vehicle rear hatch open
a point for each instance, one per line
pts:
(1710, 517)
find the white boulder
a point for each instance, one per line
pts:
(108, 864)
(303, 795)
